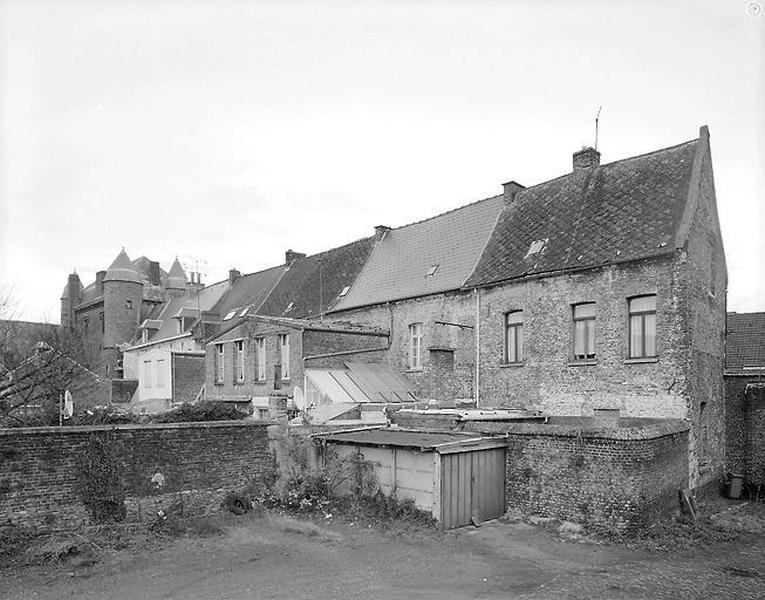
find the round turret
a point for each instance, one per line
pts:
(122, 269)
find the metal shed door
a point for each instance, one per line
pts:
(472, 486)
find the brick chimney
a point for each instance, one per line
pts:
(586, 158)
(100, 282)
(154, 273)
(233, 275)
(511, 188)
(380, 231)
(291, 256)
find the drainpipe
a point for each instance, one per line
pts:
(476, 392)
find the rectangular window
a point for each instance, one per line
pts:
(260, 359)
(415, 346)
(160, 373)
(101, 321)
(514, 337)
(584, 331)
(642, 314)
(239, 361)
(219, 370)
(263, 414)
(147, 373)
(284, 346)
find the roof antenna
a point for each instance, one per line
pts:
(596, 126)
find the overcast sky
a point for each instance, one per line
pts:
(231, 131)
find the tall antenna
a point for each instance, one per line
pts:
(596, 126)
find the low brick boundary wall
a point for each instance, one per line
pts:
(608, 478)
(617, 480)
(199, 463)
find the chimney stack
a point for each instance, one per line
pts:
(291, 256)
(100, 282)
(511, 188)
(233, 275)
(586, 158)
(154, 277)
(380, 231)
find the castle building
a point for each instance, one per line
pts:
(108, 312)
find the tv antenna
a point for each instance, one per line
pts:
(597, 116)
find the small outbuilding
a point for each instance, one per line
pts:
(457, 477)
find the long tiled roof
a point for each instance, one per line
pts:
(249, 290)
(313, 284)
(621, 211)
(745, 341)
(449, 245)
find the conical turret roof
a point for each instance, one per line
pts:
(77, 283)
(122, 269)
(176, 278)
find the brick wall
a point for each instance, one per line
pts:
(616, 479)
(441, 377)
(200, 461)
(188, 375)
(745, 427)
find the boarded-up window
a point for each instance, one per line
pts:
(147, 373)
(415, 346)
(161, 373)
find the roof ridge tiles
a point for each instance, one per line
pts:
(443, 214)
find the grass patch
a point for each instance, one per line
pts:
(288, 524)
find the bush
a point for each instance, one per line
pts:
(205, 410)
(108, 415)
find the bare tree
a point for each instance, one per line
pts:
(38, 363)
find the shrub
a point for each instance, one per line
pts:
(205, 410)
(108, 415)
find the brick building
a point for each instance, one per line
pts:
(259, 361)
(745, 396)
(603, 289)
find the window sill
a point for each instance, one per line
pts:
(218, 383)
(510, 365)
(285, 380)
(583, 363)
(414, 370)
(239, 383)
(260, 382)
(642, 360)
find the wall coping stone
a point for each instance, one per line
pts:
(132, 427)
(645, 431)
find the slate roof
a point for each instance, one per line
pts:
(249, 290)
(122, 269)
(313, 284)
(745, 341)
(184, 305)
(176, 278)
(307, 324)
(399, 265)
(616, 212)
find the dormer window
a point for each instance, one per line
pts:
(432, 271)
(536, 247)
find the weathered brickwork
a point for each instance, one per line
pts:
(448, 350)
(39, 467)
(617, 480)
(188, 375)
(745, 427)
(302, 343)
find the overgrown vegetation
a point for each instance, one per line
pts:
(99, 479)
(205, 410)
(314, 480)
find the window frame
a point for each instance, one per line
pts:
(260, 359)
(517, 327)
(415, 346)
(284, 356)
(219, 366)
(238, 361)
(589, 330)
(641, 314)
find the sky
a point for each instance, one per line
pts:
(227, 132)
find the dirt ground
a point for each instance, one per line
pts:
(268, 556)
